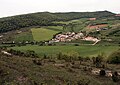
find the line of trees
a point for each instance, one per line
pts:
(28, 53)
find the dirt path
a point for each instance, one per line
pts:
(96, 42)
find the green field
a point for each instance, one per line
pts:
(71, 21)
(38, 34)
(82, 50)
(55, 28)
(26, 36)
(41, 34)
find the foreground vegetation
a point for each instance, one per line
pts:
(65, 69)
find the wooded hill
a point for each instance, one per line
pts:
(46, 19)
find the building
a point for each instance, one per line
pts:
(92, 19)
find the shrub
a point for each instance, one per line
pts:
(70, 56)
(115, 77)
(102, 72)
(114, 58)
(37, 62)
(98, 60)
(76, 44)
(45, 56)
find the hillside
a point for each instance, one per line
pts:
(21, 70)
(45, 19)
(74, 48)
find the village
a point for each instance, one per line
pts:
(70, 36)
(63, 37)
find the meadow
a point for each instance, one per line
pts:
(83, 50)
(42, 34)
(26, 36)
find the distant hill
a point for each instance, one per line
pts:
(46, 19)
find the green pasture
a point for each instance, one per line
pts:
(26, 36)
(82, 50)
(41, 34)
(55, 28)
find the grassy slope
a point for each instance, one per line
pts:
(55, 28)
(82, 50)
(22, 71)
(26, 36)
(41, 34)
(74, 25)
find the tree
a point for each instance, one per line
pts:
(31, 53)
(114, 57)
(70, 56)
(98, 60)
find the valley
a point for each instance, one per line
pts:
(74, 48)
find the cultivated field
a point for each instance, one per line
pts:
(26, 36)
(82, 50)
(41, 34)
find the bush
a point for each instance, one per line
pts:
(70, 56)
(115, 77)
(98, 60)
(37, 62)
(114, 58)
(76, 44)
(102, 73)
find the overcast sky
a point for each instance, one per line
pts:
(16, 7)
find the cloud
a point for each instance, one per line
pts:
(13, 7)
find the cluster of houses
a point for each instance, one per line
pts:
(90, 39)
(69, 36)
